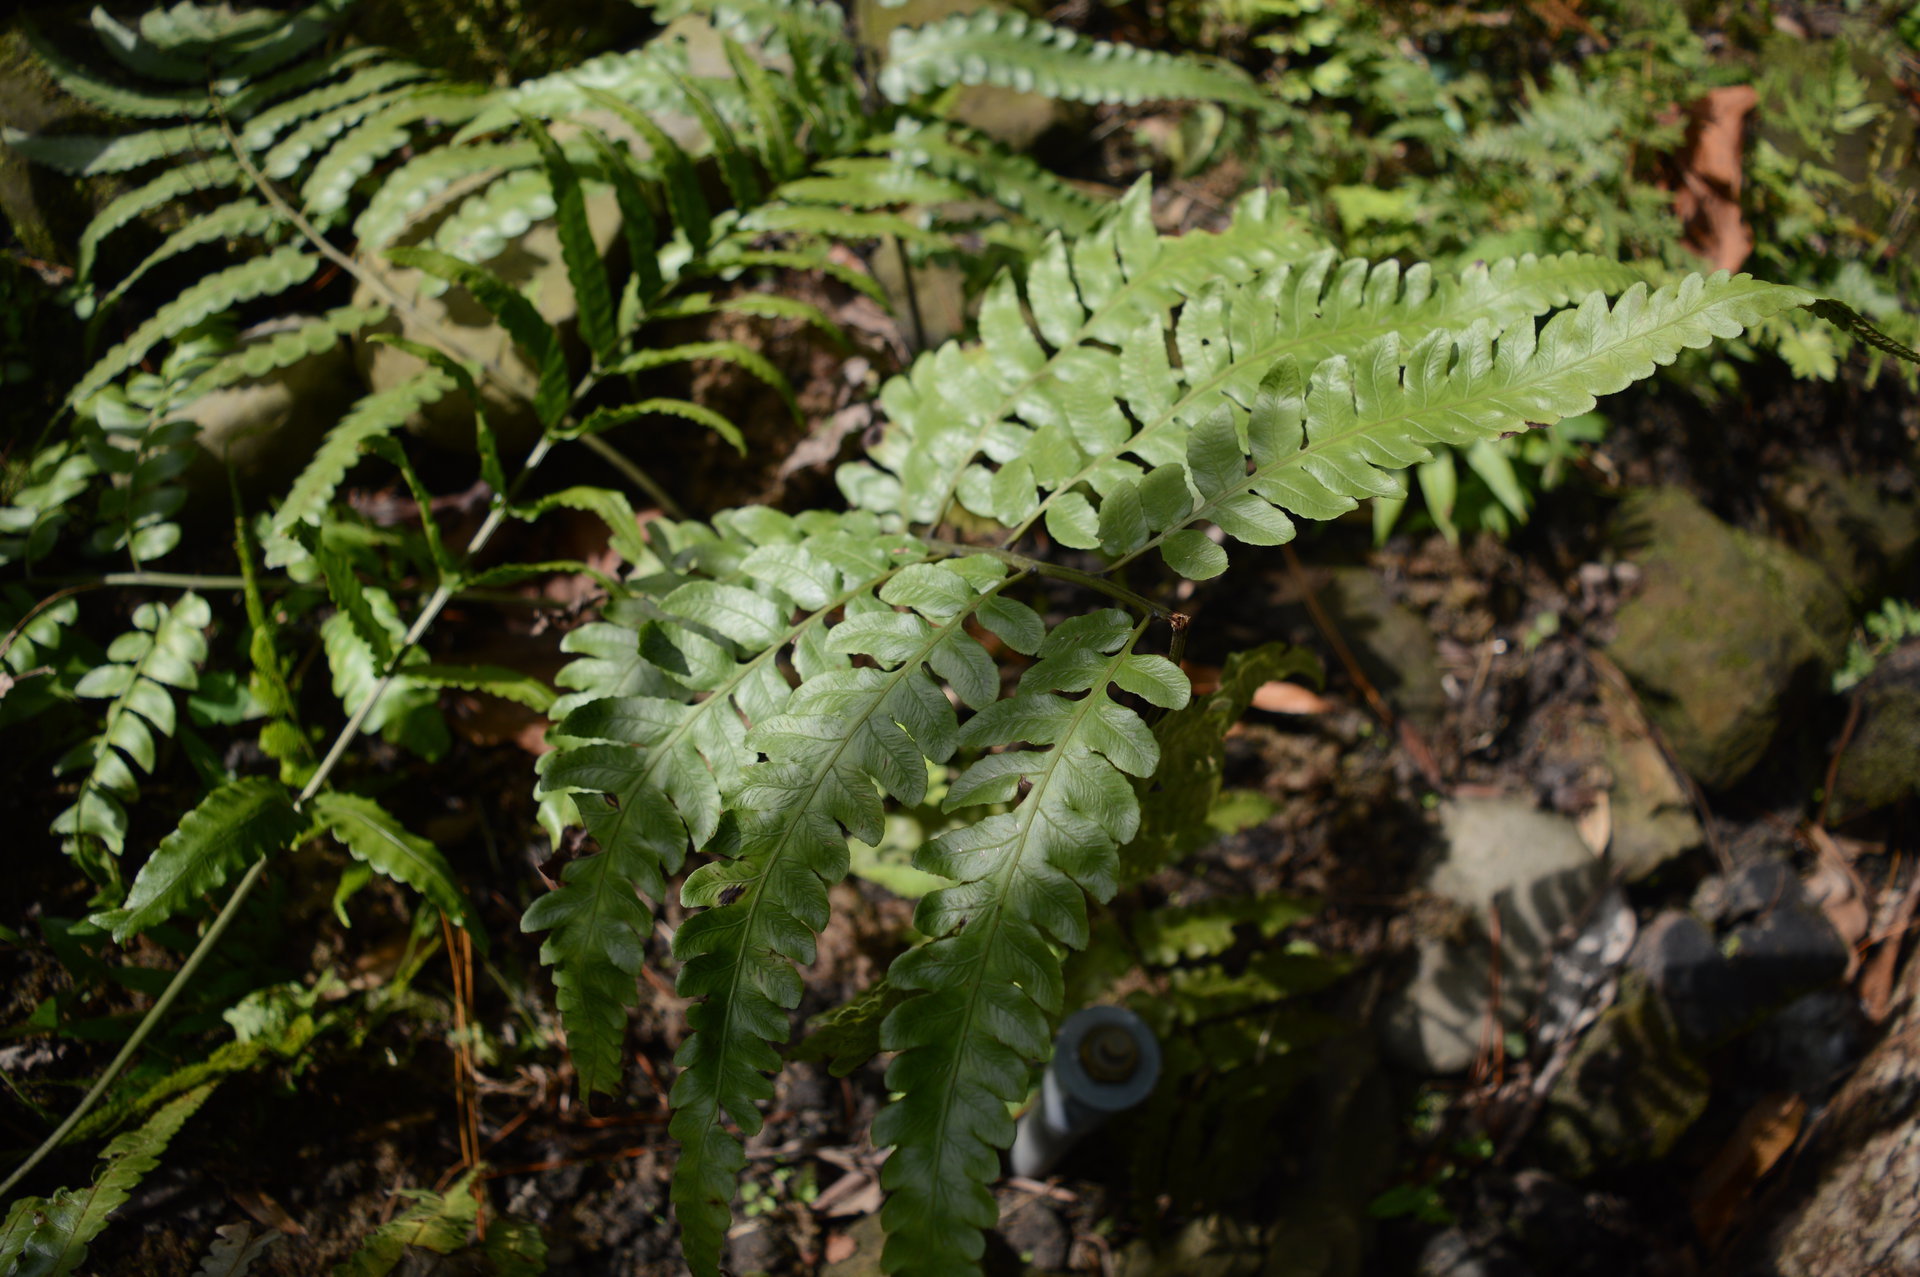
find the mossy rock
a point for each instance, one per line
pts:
(1881, 765)
(1863, 529)
(1730, 634)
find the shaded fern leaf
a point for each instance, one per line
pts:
(585, 271)
(991, 171)
(1009, 50)
(989, 981)
(144, 666)
(49, 1236)
(232, 1255)
(373, 416)
(516, 314)
(376, 838)
(437, 1222)
(232, 827)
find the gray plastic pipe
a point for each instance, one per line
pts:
(1105, 1061)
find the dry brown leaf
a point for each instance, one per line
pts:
(1876, 985)
(1707, 198)
(1595, 825)
(1290, 698)
(840, 1248)
(1763, 1137)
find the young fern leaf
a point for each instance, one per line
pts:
(846, 738)
(989, 981)
(49, 1236)
(161, 652)
(1009, 50)
(438, 1222)
(232, 827)
(233, 1254)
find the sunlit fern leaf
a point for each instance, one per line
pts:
(376, 838)
(53, 478)
(80, 155)
(852, 226)
(989, 980)
(1009, 50)
(772, 23)
(314, 134)
(333, 176)
(745, 358)
(593, 296)
(1319, 441)
(372, 416)
(846, 738)
(161, 652)
(991, 171)
(285, 348)
(418, 182)
(259, 128)
(641, 77)
(407, 712)
(276, 272)
(232, 827)
(957, 401)
(529, 330)
(49, 1236)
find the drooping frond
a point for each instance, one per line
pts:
(1009, 50)
(989, 981)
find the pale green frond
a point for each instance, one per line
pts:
(111, 97)
(208, 174)
(80, 155)
(1009, 50)
(418, 182)
(436, 1222)
(872, 182)
(381, 134)
(285, 348)
(331, 102)
(376, 838)
(991, 171)
(642, 77)
(242, 219)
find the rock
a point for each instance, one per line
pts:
(869, 1238)
(1531, 866)
(1881, 765)
(1863, 529)
(1033, 1230)
(1393, 645)
(1718, 988)
(267, 428)
(1747, 892)
(1729, 633)
(1629, 1092)
(1651, 815)
(453, 320)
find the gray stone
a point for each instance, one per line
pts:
(1729, 633)
(1502, 857)
(1392, 643)
(267, 428)
(1863, 529)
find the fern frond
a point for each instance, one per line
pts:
(284, 348)
(113, 98)
(844, 740)
(1320, 441)
(1009, 50)
(989, 980)
(160, 652)
(377, 839)
(772, 23)
(276, 272)
(81, 155)
(415, 184)
(211, 173)
(262, 126)
(406, 713)
(950, 405)
(292, 152)
(439, 1222)
(57, 475)
(232, 827)
(372, 416)
(241, 219)
(993, 172)
(49, 1236)
(643, 78)
(593, 296)
(232, 1255)
(383, 132)
(871, 182)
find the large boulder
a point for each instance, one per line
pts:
(1881, 764)
(1729, 634)
(1863, 529)
(266, 428)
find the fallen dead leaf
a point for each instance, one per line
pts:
(1764, 1135)
(1595, 825)
(1876, 985)
(840, 1248)
(1290, 698)
(1707, 198)
(266, 1212)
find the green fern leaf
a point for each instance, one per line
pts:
(406, 712)
(376, 838)
(641, 77)
(232, 1255)
(285, 348)
(372, 417)
(292, 152)
(773, 119)
(516, 314)
(111, 98)
(592, 295)
(745, 358)
(989, 981)
(1009, 50)
(232, 827)
(846, 737)
(262, 126)
(383, 132)
(80, 155)
(773, 23)
(49, 1236)
(978, 162)
(685, 200)
(415, 185)
(276, 272)
(865, 182)
(158, 654)
(211, 173)
(435, 1222)
(699, 414)
(242, 219)
(494, 680)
